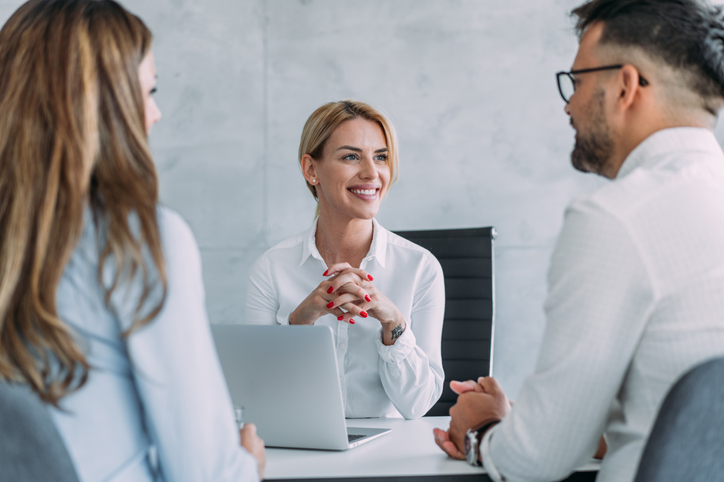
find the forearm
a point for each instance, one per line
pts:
(179, 382)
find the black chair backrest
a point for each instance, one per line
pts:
(30, 446)
(467, 259)
(687, 440)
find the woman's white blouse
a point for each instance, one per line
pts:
(377, 380)
(158, 394)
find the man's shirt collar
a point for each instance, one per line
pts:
(666, 142)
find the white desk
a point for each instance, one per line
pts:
(409, 450)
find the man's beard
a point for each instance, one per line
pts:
(592, 150)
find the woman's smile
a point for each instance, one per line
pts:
(366, 192)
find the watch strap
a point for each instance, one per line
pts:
(484, 428)
(474, 458)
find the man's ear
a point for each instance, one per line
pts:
(628, 87)
(309, 169)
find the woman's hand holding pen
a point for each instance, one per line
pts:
(254, 445)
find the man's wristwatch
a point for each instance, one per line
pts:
(473, 437)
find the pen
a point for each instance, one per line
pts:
(239, 415)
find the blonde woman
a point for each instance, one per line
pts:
(101, 299)
(382, 295)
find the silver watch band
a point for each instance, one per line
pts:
(473, 437)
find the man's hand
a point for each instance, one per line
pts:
(254, 445)
(442, 439)
(466, 386)
(478, 404)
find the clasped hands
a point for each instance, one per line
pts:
(347, 293)
(478, 403)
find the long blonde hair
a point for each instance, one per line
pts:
(328, 117)
(72, 134)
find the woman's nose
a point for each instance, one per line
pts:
(368, 169)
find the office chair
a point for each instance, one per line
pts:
(687, 440)
(31, 449)
(467, 259)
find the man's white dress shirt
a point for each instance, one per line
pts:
(636, 298)
(377, 381)
(161, 387)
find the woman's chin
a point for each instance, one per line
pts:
(363, 216)
(352, 212)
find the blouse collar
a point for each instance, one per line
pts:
(378, 248)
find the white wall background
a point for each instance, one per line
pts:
(469, 84)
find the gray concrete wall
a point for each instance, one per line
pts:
(469, 83)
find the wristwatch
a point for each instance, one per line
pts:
(473, 437)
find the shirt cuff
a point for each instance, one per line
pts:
(490, 467)
(397, 352)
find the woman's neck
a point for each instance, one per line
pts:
(343, 242)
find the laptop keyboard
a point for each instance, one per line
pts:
(352, 437)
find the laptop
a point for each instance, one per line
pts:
(285, 380)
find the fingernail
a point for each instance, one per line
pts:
(330, 304)
(351, 322)
(325, 273)
(340, 317)
(367, 298)
(369, 277)
(330, 289)
(363, 314)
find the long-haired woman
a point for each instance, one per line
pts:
(101, 298)
(383, 296)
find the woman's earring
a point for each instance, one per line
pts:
(314, 181)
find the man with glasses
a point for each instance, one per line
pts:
(636, 283)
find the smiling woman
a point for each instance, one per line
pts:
(347, 266)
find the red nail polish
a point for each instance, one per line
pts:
(367, 298)
(369, 277)
(331, 288)
(363, 314)
(330, 304)
(340, 317)
(325, 273)
(351, 322)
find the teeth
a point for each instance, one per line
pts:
(364, 192)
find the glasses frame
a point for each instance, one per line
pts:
(642, 81)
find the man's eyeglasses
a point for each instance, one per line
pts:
(567, 81)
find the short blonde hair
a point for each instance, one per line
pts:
(328, 117)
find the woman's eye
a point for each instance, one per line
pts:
(381, 157)
(350, 157)
(153, 91)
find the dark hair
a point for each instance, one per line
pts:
(685, 34)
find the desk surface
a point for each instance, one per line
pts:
(408, 450)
